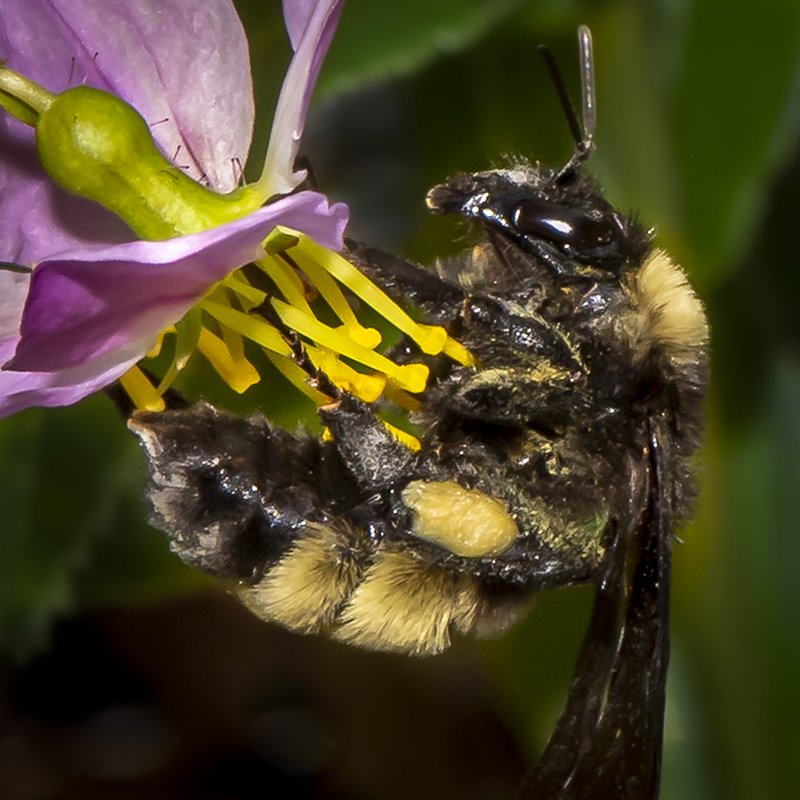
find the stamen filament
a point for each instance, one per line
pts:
(246, 291)
(143, 394)
(412, 377)
(249, 326)
(287, 281)
(430, 338)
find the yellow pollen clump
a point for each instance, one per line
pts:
(466, 522)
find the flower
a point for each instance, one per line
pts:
(97, 298)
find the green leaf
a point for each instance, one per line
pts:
(734, 106)
(378, 40)
(73, 522)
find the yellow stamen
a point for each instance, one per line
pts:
(430, 338)
(411, 442)
(412, 377)
(249, 326)
(141, 391)
(455, 350)
(299, 267)
(280, 239)
(154, 353)
(251, 296)
(366, 337)
(297, 377)
(287, 281)
(401, 398)
(187, 333)
(231, 365)
(366, 387)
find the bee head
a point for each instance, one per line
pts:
(560, 217)
(565, 223)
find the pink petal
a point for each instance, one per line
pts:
(296, 14)
(311, 45)
(20, 390)
(183, 64)
(82, 308)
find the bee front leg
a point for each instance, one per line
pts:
(374, 457)
(405, 281)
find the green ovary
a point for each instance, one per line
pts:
(97, 146)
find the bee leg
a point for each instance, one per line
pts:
(375, 458)
(511, 395)
(484, 319)
(405, 281)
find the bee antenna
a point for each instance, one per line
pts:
(588, 96)
(582, 134)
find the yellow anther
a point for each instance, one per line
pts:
(430, 338)
(411, 442)
(366, 387)
(141, 391)
(455, 350)
(366, 337)
(232, 367)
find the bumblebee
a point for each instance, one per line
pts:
(563, 456)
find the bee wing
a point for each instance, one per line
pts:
(608, 740)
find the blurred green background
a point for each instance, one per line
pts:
(698, 130)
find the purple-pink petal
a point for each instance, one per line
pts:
(311, 45)
(183, 64)
(111, 300)
(296, 15)
(20, 390)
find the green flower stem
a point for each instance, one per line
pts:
(23, 98)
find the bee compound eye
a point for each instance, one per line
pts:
(565, 226)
